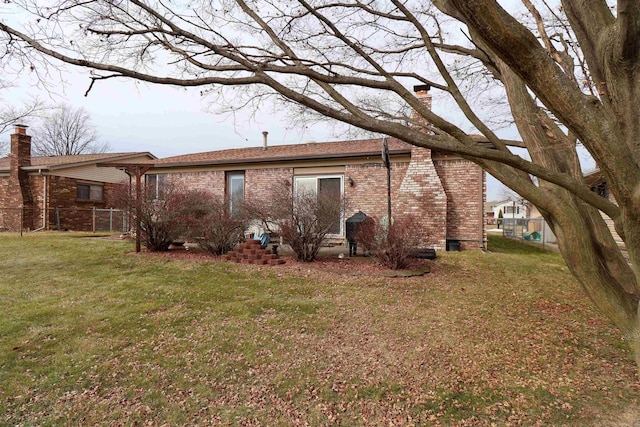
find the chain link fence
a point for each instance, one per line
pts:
(537, 230)
(64, 219)
(531, 229)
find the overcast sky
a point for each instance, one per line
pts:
(167, 121)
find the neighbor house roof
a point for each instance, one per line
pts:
(277, 153)
(62, 162)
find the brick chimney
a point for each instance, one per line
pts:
(421, 189)
(20, 187)
(423, 95)
(20, 148)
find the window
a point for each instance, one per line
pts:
(326, 188)
(156, 185)
(510, 209)
(89, 191)
(235, 191)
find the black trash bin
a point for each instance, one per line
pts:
(354, 223)
(453, 245)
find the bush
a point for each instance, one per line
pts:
(217, 231)
(165, 219)
(303, 220)
(392, 245)
(171, 219)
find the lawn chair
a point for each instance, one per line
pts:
(264, 239)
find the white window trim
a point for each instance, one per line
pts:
(321, 176)
(156, 190)
(229, 178)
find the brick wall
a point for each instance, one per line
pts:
(465, 186)
(422, 196)
(70, 213)
(212, 181)
(442, 194)
(369, 191)
(62, 206)
(259, 183)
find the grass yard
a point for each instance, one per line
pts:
(92, 334)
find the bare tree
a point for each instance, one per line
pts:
(11, 114)
(66, 131)
(352, 61)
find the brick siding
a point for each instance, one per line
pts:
(445, 195)
(212, 181)
(259, 183)
(63, 209)
(369, 192)
(465, 185)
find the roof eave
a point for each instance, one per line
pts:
(277, 159)
(95, 161)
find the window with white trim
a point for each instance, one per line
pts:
(325, 187)
(235, 191)
(156, 185)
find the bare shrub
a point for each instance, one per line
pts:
(166, 217)
(391, 245)
(217, 230)
(303, 220)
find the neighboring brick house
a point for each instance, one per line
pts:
(56, 192)
(445, 193)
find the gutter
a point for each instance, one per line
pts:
(273, 159)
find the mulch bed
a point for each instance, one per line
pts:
(356, 266)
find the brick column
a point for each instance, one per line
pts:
(422, 194)
(19, 187)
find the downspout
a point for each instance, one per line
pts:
(129, 199)
(483, 243)
(44, 201)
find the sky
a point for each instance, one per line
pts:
(168, 121)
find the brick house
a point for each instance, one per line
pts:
(57, 192)
(445, 193)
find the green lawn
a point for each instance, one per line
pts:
(91, 333)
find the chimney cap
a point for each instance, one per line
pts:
(421, 88)
(20, 128)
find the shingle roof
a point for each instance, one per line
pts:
(46, 162)
(313, 150)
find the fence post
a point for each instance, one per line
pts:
(58, 219)
(110, 220)
(93, 220)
